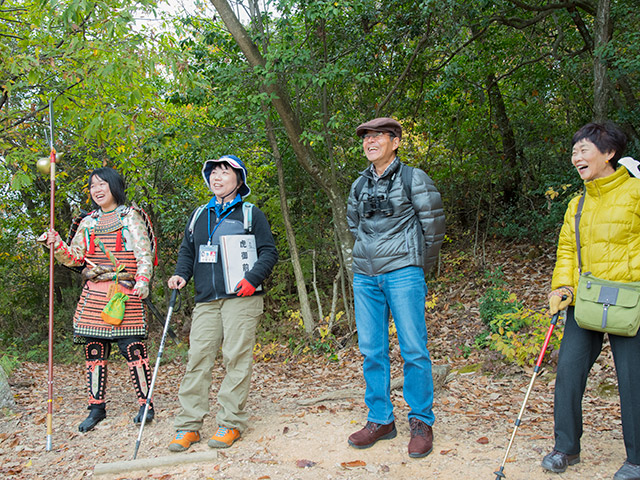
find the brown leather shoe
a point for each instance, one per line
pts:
(421, 442)
(371, 433)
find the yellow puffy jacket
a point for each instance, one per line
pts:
(609, 232)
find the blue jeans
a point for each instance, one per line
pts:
(401, 293)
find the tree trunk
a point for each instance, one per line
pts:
(512, 180)
(305, 308)
(281, 103)
(626, 92)
(600, 84)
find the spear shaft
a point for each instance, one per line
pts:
(52, 177)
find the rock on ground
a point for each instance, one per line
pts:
(6, 397)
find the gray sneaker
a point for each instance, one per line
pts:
(628, 471)
(557, 462)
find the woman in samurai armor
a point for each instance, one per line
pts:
(113, 245)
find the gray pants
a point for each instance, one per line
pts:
(231, 323)
(579, 350)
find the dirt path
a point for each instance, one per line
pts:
(288, 440)
(475, 414)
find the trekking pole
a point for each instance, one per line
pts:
(172, 303)
(156, 314)
(52, 177)
(554, 320)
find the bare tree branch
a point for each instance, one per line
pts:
(542, 8)
(586, 6)
(544, 11)
(582, 28)
(472, 39)
(7, 35)
(519, 23)
(35, 112)
(419, 48)
(519, 66)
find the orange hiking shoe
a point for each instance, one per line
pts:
(183, 440)
(224, 437)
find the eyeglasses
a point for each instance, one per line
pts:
(372, 135)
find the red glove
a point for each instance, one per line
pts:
(244, 288)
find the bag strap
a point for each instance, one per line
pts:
(358, 187)
(577, 220)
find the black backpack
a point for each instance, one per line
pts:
(406, 174)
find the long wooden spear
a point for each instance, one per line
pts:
(52, 177)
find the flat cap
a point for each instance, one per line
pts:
(382, 124)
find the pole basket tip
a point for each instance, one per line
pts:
(499, 474)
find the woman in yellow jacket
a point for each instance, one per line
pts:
(610, 249)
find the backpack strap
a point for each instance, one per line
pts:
(247, 213)
(150, 231)
(406, 173)
(194, 218)
(407, 177)
(358, 188)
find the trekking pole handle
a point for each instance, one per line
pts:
(174, 295)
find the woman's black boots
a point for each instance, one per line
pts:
(97, 413)
(150, 414)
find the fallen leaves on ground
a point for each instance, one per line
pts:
(485, 396)
(305, 463)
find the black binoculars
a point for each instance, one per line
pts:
(379, 203)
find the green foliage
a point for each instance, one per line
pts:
(509, 322)
(154, 106)
(324, 343)
(496, 302)
(171, 353)
(465, 351)
(9, 361)
(523, 346)
(35, 348)
(516, 332)
(482, 340)
(539, 212)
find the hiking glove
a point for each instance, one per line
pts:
(244, 288)
(556, 300)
